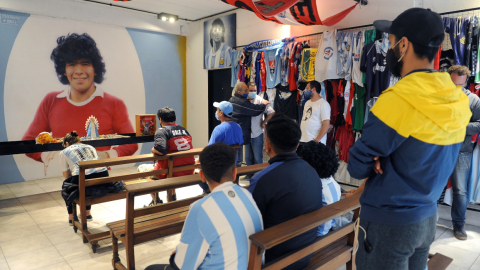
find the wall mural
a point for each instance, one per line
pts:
(219, 39)
(56, 73)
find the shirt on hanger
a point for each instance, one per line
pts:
(286, 101)
(457, 28)
(344, 46)
(358, 43)
(374, 65)
(327, 55)
(235, 66)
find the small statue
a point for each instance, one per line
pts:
(91, 127)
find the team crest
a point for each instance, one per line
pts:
(231, 194)
(462, 40)
(222, 61)
(348, 48)
(285, 95)
(328, 53)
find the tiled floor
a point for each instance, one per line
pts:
(34, 232)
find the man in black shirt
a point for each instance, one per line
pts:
(286, 189)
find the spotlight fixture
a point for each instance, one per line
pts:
(165, 16)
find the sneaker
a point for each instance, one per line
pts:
(89, 218)
(152, 203)
(70, 222)
(174, 197)
(459, 232)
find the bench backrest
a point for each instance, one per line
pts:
(280, 233)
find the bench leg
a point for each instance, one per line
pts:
(170, 193)
(115, 258)
(85, 239)
(75, 217)
(94, 245)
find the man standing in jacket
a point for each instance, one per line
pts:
(461, 173)
(243, 110)
(408, 148)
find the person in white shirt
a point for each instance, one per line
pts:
(254, 150)
(316, 116)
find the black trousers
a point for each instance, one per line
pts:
(90, 176)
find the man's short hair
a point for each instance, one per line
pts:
(251, 84)
(316, 85)
(426, 52)
(238, 87)
(217, 161)
(219, 23)
(283, 133)
(459, 70)
(73, 47)
(167, 115)
(321, 158)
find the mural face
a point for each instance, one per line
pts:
(219, 39)
(60, 72)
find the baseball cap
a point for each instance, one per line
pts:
(419, 25)
(224, 106)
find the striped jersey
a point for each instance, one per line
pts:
(217, 229)
(70, 156)
(331, 193)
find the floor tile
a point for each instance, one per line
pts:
(49, 219)
(442, 226)
(64, 235)
(57, 266)
(51, 186)
(57, 196)
(5, 193)
(145, 250)
(24, 184)
(159, 258)
(22, 219)
(471, 244)
(24, 244)
(26, 191)
(49, 180)
(74, 249)
(11, 207)
(461, 257)
(92, 261)
(476, 264)
(170, 242)
(8, 233)
(35, 259)
(38, 202)
(4, 264)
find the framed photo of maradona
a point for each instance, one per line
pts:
(219, 38)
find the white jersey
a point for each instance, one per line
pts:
(327, 57)
(358, 43)
(344, 47)
(218, 59)
(346, 96)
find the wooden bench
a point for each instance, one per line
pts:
(329, 251)
(141, 225)
(84, 201)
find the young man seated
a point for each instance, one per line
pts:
(216, 231)
(325, 162)
(286, 189)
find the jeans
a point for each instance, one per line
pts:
(254, 151)
(459, 178)
(240, 156)
(395, 247)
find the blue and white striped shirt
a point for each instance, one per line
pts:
(331, 193)
(216, 231)
(70, 156)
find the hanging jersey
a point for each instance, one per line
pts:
(273, 64)
(307, 66)
(326, 62)
(374, 65)
(235, 56)
(171, 139)
(292, 68)
(346, 96)
(457, 29)
(344, 64)
(284, 65)
(358, 43)
(475, 37)
(286, 102)
(218, 59)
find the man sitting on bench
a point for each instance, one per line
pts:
(171, 138)
(216, 231)
(286, 189)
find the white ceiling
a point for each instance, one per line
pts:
(185, 9)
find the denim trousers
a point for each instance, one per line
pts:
(460, 176)
(240, 155)
(395, 247)
(254, 151)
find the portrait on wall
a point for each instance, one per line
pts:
(219, 39)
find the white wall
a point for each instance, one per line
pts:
(96, 13)
(250, 28)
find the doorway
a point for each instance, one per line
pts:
(219, 89)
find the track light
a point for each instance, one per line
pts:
(165, 16)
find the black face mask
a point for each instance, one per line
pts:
(393, 63)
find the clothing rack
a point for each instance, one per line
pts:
(314, 38)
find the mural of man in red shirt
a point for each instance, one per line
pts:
(79, 65)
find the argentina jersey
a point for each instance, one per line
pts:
(217, 229)
(330, 194)
(81, 152)
(218, 59)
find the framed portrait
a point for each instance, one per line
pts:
(219, 39)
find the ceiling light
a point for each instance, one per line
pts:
(165, 16)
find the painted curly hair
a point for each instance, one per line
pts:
(321, 158)
(73, 47)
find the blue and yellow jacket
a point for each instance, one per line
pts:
(416, 128)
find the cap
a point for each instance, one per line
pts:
(224, 106)
(419, 25)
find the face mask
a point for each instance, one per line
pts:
(307, 94)
(252, 95)
(393, 63)
(245, 95)
(216, 116)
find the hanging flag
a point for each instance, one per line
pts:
(291, 12)
(264, 45)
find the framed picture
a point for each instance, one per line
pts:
(146, 124)
(219, 38)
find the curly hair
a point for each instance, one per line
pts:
(321, 158)
(73, 47)
(460, 70)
